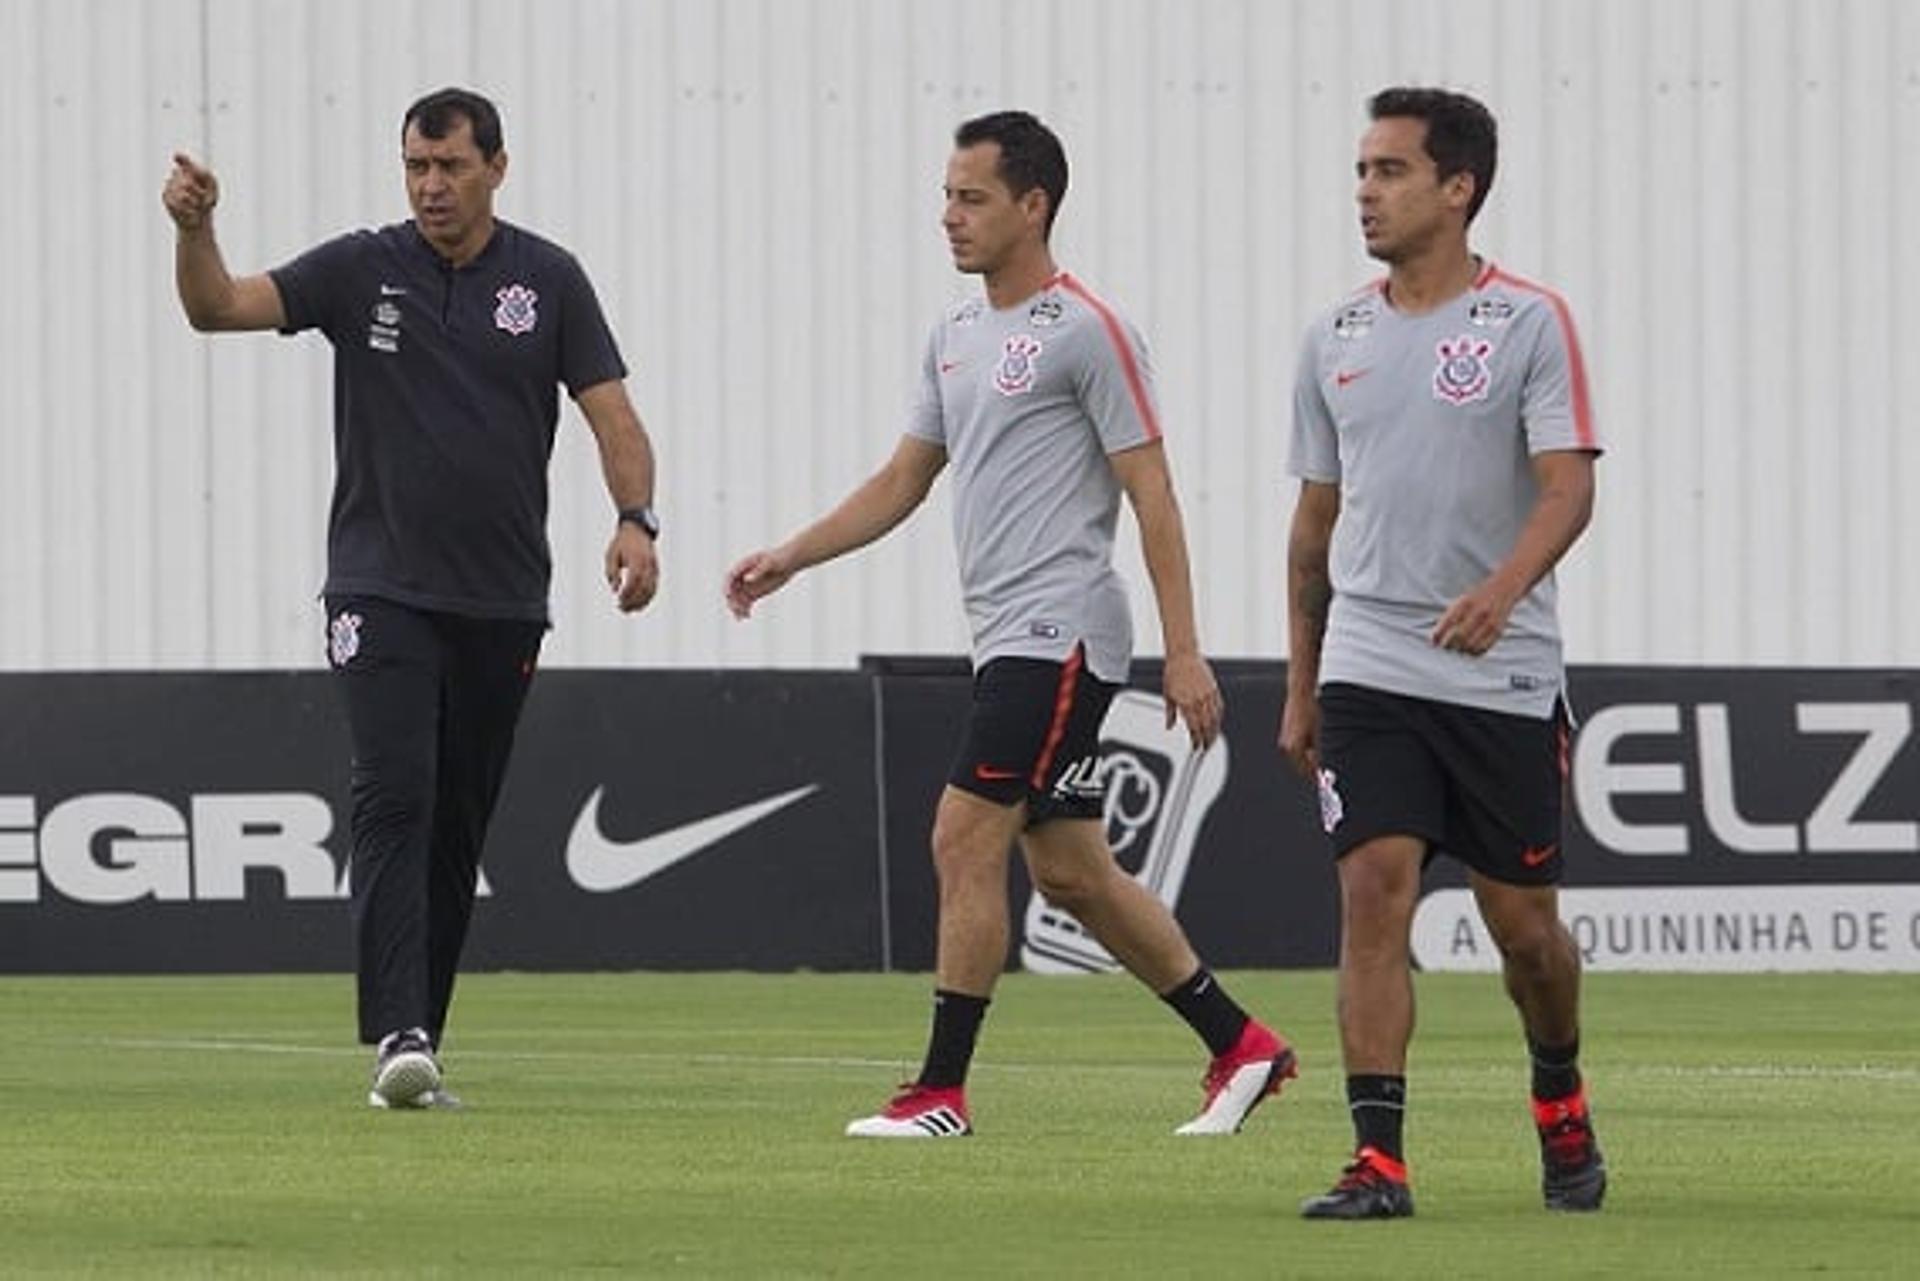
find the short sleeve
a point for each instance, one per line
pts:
(588, 353)
(1315, 450)
(1554, 404)
(1115, 383)
(311, 285)
(927, 421)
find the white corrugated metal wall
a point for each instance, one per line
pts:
(1718, 185)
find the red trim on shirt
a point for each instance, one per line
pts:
(1142, 403)
(1577, 372)
(1062, 706)
(1487, 273)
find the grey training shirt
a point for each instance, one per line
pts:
(1428, 425)
(1028, 402)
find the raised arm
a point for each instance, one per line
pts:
(882, 501)
(626, 462)
(212, 299)
(1189, 687)
(1309, 596)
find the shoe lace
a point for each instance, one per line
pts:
(1361, 1173)
(910, 1092)
(1568, 1141)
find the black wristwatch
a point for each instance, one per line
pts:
(643, 517)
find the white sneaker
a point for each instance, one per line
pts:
(404, 1071)
(442, 1100)
(917, 1112)
(1236, 1081)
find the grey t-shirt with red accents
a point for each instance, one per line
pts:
(1028, 402)
(1428, 424)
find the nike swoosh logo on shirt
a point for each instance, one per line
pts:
(601, 865)
(1345, 376)
(948, 366)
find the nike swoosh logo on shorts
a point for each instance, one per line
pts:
(1535, 855)
(988, 774)
(601, 865)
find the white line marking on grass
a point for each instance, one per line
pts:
(1739, 1071)
(224, 1046)
(243, 1047)
(1781, 1072)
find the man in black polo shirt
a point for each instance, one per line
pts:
(451, 334)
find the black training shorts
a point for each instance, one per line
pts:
(1034, 736)
(1484, 787)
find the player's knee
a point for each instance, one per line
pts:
(1534, 942)
(958, 858)
(1378, 904)
(1064, 886)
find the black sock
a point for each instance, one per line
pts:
(956, 1025)
(1556, 1073)
(1208, 1010)
(1378, 1105)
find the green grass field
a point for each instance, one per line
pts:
(690, 1125)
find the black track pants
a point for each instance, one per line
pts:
(431, 701)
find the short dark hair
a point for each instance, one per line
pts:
(441, 111)
(1461, 134)
(1030, 154)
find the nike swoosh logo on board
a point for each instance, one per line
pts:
(602, 865)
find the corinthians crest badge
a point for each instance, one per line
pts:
(515, 314)
(1463, 373)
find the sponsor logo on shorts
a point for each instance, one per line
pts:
(1081, 781)
(1332, 808)
(1463, 374)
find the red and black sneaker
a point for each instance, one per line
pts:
(1373, 1187)
(1573, 1174)
(917, 1112)
(1257, 1065)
